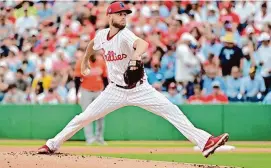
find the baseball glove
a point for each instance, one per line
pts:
(134, 72)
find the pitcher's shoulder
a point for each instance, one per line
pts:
(126, 30)
(102, 32)
(128, 34)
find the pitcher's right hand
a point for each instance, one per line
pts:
(85, 70)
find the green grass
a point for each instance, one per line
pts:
(147, 144)
(261, 160)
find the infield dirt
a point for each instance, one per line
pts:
(71, 157)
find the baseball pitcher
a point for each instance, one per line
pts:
(128, 86)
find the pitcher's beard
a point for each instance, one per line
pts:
(117, 25)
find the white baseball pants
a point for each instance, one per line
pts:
(144, 96)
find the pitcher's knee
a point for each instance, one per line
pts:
(80, 120)
(86, 118)
(170, 109)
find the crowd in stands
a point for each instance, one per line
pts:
(199, 52)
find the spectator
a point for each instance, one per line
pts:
(163, 10)
(10, 15)
(217, 95)
(68, 80)
(6, 29)
(14, 95)
(25, 23)
(32, 41)
(252, 86)
(158, 87)
(59, 88)
(3, 87)
(25, 5)
(212, 46)
(206, 8)
(230, 55)
(249, 60)
(267, 99)
(212, 14)
(21, 84)
(28, 67)
(154, 74)
(233, 85)
(39, 92)
(197, 98)
(51, 97)
(61, 62)
(264, 52)
(46, 12)
(44, 77)
(211, 76)
(72, 96)
(168, 65)
(244, 9)
(13, 58)
(68, 48)
(262, 16)
(228, 14)
(173, 95)
(250, 35)
(190, 86)
(30, 96)
(187, 64)
(8, 75)
(230, 28)
(212, 63)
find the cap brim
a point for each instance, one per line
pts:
(128, 11)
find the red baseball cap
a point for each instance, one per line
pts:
(116, 7)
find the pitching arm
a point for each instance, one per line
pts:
(140, 47)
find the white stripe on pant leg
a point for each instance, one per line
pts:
(153, 101)
(109, 100)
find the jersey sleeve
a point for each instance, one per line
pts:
(97, 41)
(129, 37)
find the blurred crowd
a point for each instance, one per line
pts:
(200, 51)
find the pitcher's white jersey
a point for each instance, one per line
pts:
(117, 50)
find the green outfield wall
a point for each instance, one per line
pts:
(241, 121)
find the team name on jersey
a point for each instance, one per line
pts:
(112, 56)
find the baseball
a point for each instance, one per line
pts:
(86, 72)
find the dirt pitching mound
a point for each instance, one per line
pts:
(62, 160)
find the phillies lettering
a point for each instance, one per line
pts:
(112, 56)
